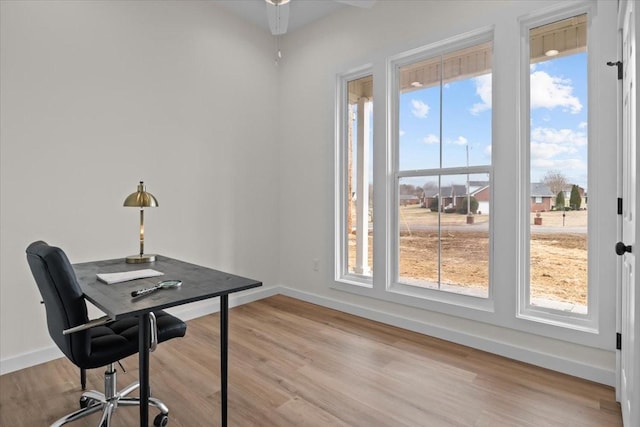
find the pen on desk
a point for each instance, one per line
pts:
(165, 284)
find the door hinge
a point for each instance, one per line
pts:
(617, 64)
(618, 341)
(619, 205)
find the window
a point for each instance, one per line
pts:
(481, 208)
(557, 279)
(443, 168)
(355, 239)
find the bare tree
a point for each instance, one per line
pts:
(555, 180)
(409, 189)
(430, 186)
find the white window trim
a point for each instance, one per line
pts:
(504, 309)
(341, 165)
(525, 310)
(394, 63)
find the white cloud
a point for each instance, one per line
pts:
(550, 92)
(431, 139)
(558, 136)
(487, 150)
(558, 149)
(545, 151)
(461, 140)
(483, 90)
(563, 165)
(402, 132)
(582, 125)
(548, 143)
(420, 109)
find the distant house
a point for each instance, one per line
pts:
(452, 196)
(567, 196)
(409, 199)
(481, 192)
(542, 198)
(428, 197)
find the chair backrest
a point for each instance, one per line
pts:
(62, 296)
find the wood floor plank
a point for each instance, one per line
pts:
(295, 364)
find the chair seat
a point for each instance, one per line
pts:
(119, 339)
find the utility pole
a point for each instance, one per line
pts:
(469, 216)
(468, 195)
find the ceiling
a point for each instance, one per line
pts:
(301, 12)
(566, 36)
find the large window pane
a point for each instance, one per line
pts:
(419, 231)
(444, 233)
(466, 107)
(558, 165)
(419, 111)
(359, 180)
(444, 164)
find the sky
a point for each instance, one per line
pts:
(558, 122)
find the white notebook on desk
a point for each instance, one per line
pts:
(125, 276)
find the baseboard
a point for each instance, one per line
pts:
(32, 358)
(556, 363)
(202, 308)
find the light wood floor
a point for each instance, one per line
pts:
(296, 364)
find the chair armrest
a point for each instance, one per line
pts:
(90, 324)
(154, 331)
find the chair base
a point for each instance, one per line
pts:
(93, 401)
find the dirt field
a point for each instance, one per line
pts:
(558, 258)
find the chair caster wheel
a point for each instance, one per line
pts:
(161, 420)
(85, 402)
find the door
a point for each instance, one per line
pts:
(629, 368)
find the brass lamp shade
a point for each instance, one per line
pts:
(141, 199)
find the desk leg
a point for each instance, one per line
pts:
(144, 338)
(224, 352)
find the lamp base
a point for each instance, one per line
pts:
(140, 259)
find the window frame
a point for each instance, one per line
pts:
(525, 310)
(341, 162)
(394, 63)
(501, 309)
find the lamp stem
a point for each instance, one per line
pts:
(141, 231)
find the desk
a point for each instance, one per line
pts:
(198, 283)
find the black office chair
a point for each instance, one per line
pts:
(97, 346)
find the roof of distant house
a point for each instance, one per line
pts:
(540, 189)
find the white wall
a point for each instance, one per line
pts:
(96, 96)
(357, 37)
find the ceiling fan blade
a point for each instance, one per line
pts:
(365, 4)
(278, 17)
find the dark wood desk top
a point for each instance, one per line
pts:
(115, 300)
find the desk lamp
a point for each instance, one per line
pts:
(141, 199)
